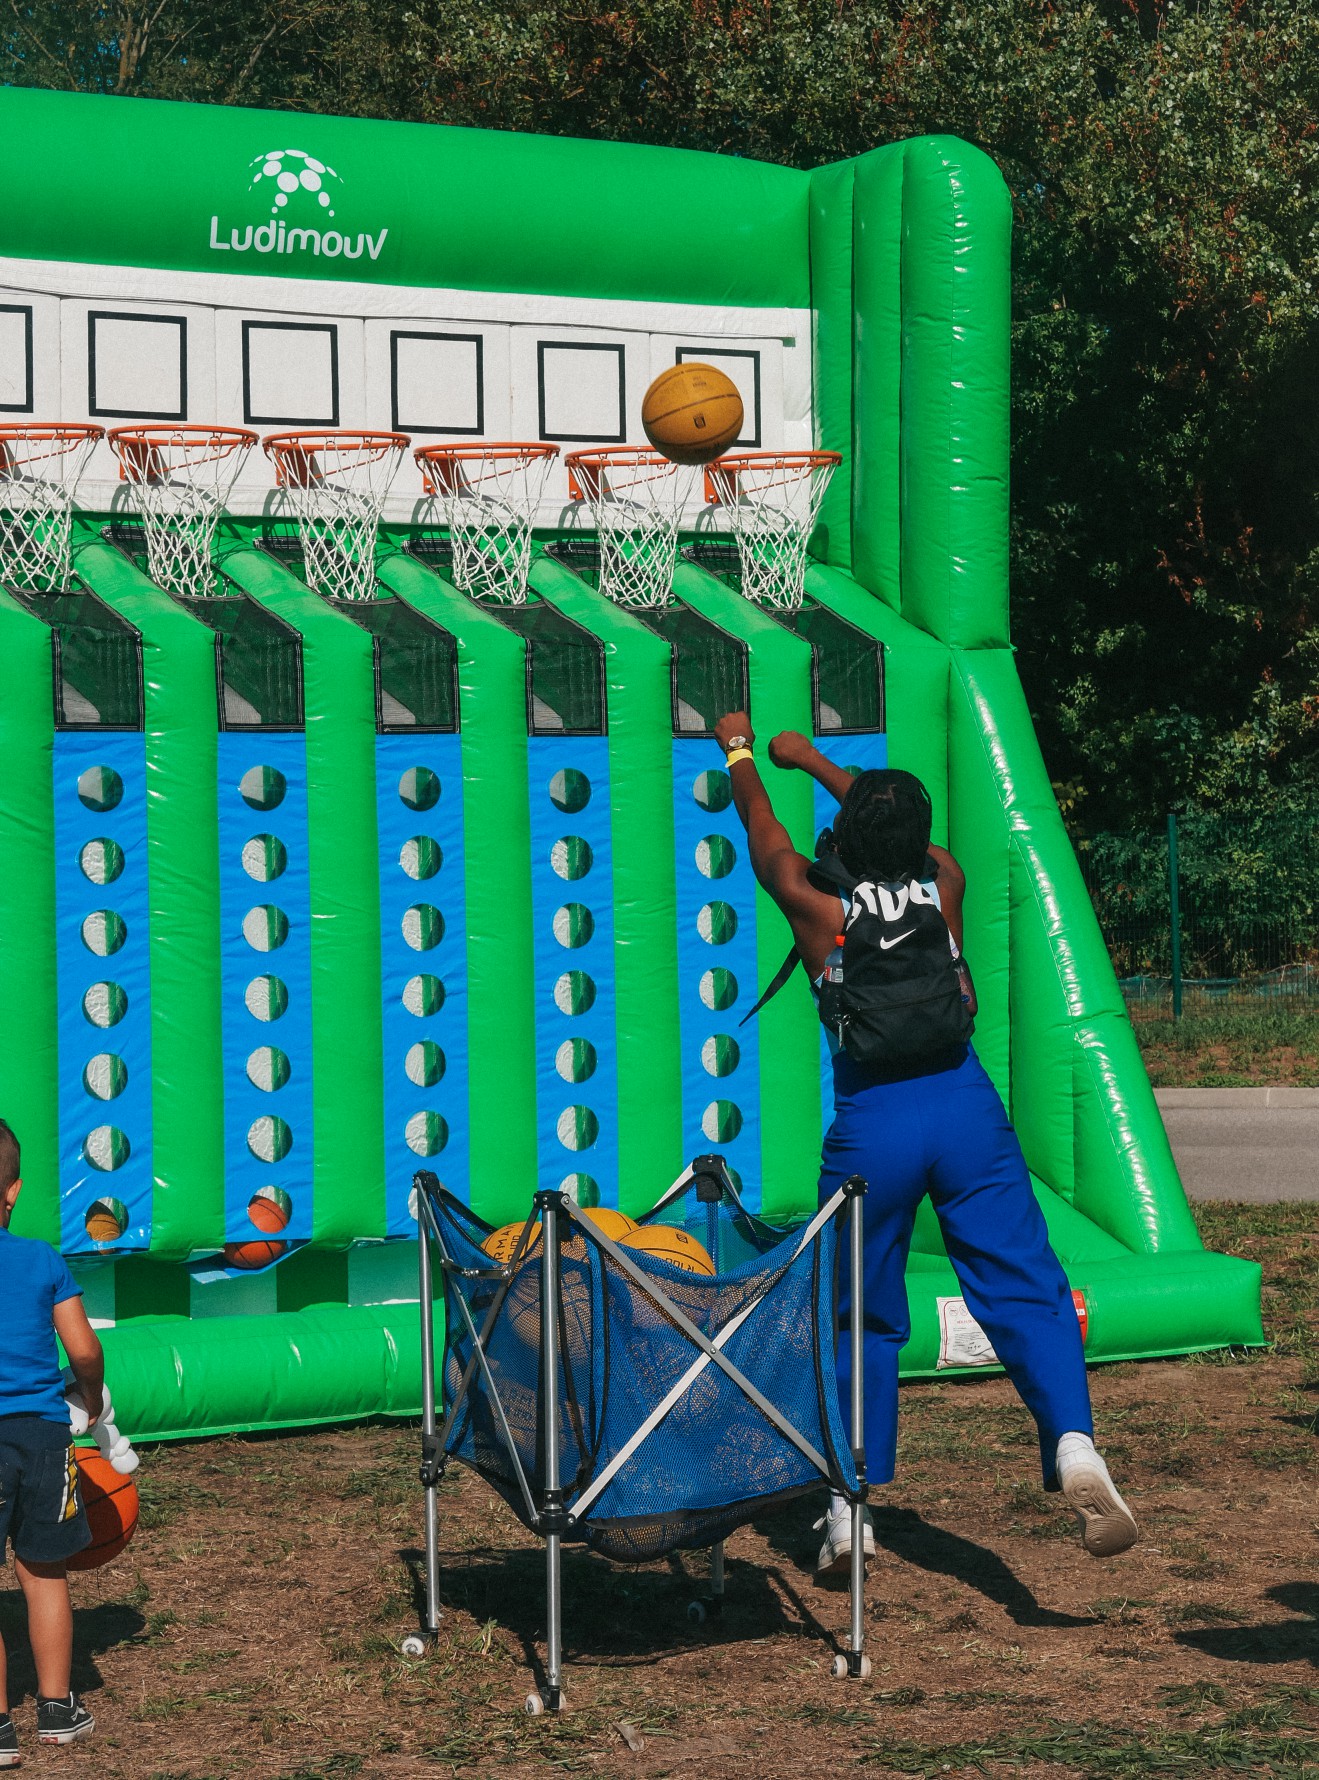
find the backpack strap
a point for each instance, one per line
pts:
(780, 977)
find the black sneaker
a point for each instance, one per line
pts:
(63, 1721)
(9, 1752)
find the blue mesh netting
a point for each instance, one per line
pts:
(715, 1460)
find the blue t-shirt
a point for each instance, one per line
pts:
(33, 1280)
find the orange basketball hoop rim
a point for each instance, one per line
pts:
(437, 463)
(783, 467)
(150, 452)
(585, 468)
(43, 440)
(294, 454)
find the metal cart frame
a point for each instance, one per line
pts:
(546, 1511)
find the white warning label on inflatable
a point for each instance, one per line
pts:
(962, 1342)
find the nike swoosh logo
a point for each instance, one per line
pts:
(886, 944)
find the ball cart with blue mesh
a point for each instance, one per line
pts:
(617, 1401)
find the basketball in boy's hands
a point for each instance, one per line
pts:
(692, 413)
(111, 1504)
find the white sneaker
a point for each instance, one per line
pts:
(836, 1552)
(1107, 1525)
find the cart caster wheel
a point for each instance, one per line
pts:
(863, 1669)
(838, 1668)
(696, 1612)
(414, 1645)
(534, 1705)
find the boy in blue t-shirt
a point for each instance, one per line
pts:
(41, 1511)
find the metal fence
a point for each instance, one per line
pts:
(1210, 911)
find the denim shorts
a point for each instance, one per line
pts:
(41, 1511)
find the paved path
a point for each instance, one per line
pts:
(1251, 1144)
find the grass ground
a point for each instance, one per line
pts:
(1237, 1047)
(252, 1627)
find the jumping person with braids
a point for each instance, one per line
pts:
(924, 1120)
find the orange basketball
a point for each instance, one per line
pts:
(270, 1209)
(253, 1254)
(667, 1243)
(501, 1243)
(692, 413)
(106, 1220)
(111, 1504)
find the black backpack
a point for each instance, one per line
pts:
(897, 1001)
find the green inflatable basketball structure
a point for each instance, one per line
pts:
(301, 894)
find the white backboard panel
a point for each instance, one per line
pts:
(119, 344)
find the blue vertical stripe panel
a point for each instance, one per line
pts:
(423, 955)
(572, 897)
(716, 903)
(265, 969)
(104, 991)
(862, 752)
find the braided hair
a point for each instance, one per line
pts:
(882, 832)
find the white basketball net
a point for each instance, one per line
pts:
(491, 495)
(181, 478)
(637, 499)
(773, 500)
(39, 471)
(336, 484)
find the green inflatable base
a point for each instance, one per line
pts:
(176, 1377)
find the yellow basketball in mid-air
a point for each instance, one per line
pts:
(501, 1244)
(667, 1243)
(692, 413)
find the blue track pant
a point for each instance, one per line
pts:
(948, 1135)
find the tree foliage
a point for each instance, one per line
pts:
(1164, 164)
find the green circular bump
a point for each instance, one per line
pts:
(102, 860)
(264, 858)
(423, 995)
(571, 857)
(713, 790)
(856, 771)
(104, 932)
(106, 1076)
(105, 1004)
(577, 1127)
(268, 1068)
(426, 1133)
(265, 927)
(423, 927)
(717, 923)
(721, 1121)
(575, 1059)
(570, 790)
(574, 992)
(720, 1054)
(266, 998)
(105, 1219)
(269, 1138)
(715, 856)
(424, 1064)
(100, 788)
(106, 1148)
(421, 857)
(581, 1189)
(262, 787)
(420, 788)
(718, 989)
(573, 924)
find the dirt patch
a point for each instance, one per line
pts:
(252, 1628)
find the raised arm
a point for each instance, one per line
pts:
(790, 749)
(774, 859)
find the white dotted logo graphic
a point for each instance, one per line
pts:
(285, 173)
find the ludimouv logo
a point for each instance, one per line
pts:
(300, 192)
